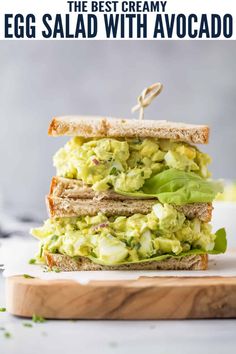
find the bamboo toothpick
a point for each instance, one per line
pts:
(146, 98)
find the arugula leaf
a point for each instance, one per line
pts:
(178, 187)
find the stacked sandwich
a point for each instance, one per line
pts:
(129, 194)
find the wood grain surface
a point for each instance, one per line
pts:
(145, 298)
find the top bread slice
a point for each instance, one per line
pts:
(100, 127)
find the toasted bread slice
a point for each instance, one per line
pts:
(68, 207)
(99, 127)
(66, 263)
(65, 207)
(77, 189)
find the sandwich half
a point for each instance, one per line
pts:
(129, 195)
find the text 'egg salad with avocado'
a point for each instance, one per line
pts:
(163, 233)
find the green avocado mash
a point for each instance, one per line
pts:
(115, 240)
(125, 165)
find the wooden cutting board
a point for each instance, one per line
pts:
(145, 298)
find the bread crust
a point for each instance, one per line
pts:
(76, 197)
(66, 263)
(99, 127)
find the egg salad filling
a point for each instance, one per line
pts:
(163, 233)
(125, 164)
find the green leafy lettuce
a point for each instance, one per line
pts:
(178, 187)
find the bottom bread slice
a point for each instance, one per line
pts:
(66, 263)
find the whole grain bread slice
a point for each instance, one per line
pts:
(66, 263)
(65, 207)
(68, 207)
(98, 127)
(77, 189)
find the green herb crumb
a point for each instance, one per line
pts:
(56, 269)
(37, 319)
(32, 261)
(114, 171)
(41, 251)
(54, 238)
(27, 276)
(29, 325)
(93, 254)
(7, 334)
(2, 309)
